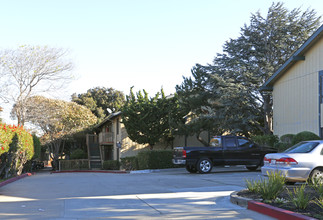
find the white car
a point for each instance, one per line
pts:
(302, 162)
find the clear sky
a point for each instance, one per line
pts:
(148, 44)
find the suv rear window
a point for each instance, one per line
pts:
(215, 142)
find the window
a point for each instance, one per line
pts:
(321, 87)
(215, 142)
(230, 142)
(302, 147)
(243, 142)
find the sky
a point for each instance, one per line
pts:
(147, 44)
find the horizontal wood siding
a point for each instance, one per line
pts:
(296, 101)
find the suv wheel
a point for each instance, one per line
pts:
(204, 165)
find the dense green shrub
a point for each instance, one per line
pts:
(81, 164)
(266, 140)
(111, 165)
(78, 154)
(37, 147)
(282, 146)
(287, 138)
(269, 188)
(129, 163)
(155, 159)
(16, 148)
(305, 136)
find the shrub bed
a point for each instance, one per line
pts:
(129, 163)
(155, 159)
(82, 164)
(266, 140)
(111, 165)
(304, 136)
(16, 148)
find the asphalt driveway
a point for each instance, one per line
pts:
(167, 194)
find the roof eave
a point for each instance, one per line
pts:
(297, 56)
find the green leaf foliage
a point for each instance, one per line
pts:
(111, 165)
(227, 91)
(99, 99)
(305, 136)
(25, 140)
(16, 148)
(37, 147)
(155, 159)
(78, 154)
(150, 119)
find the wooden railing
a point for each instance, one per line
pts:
(106, 138)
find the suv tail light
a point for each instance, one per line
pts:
(287, 161)
(184, 153)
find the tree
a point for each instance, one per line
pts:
(31, 70)
(1, 109)
(58, 120)
(16, 147)
(148, 120)
(100, 99)
(247, 62)
(194, 94)
(261, 49)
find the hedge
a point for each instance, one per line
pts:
(74, 164)
(266, 140)
(111, 165)
(129, 163)
(304, 136)
(155, 159)
(25, 139)
(78, 154)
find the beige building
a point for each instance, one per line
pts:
(297, 89)
(111, 142)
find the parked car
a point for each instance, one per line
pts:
(222, 150)
(301, 162)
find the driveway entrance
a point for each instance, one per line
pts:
(167, 194)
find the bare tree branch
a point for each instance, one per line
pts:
(31, 70)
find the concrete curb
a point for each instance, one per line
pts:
(266, 209)
(89, 171)
(15, 179)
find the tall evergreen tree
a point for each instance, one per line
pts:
(247, 62)
(263, 46)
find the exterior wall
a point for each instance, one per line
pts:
(130, 148)
(296, 95)
(191, 141)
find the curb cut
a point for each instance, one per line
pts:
(15, 179)
(89, 171)
(266, 209)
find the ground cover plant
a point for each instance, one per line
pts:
(303, 198)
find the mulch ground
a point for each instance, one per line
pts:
(312, 210)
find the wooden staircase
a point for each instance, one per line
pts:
(94, 153)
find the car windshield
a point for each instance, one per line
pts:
(302, 147)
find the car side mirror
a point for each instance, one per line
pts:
(252, 145)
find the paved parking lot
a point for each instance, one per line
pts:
(164, 194)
